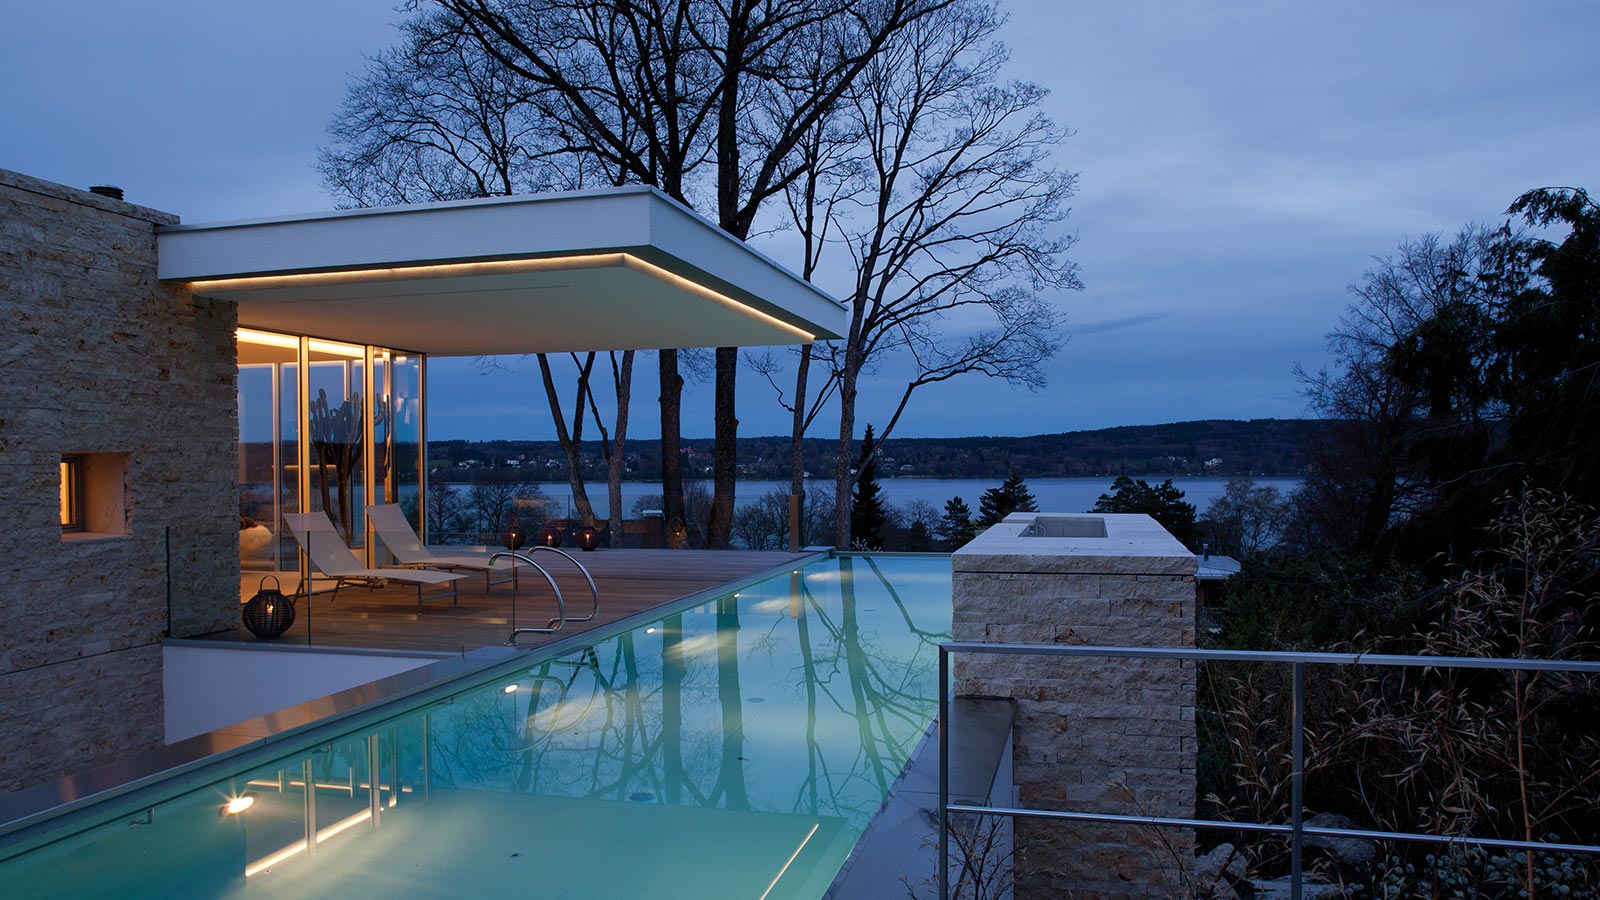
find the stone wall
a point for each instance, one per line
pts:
(99, 357)
(1092, 735)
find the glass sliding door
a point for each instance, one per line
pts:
(337, 425)
(269, 425)
(328, 426)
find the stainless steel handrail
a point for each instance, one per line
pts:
(594, 592)
(552, 626)
(1296, 829)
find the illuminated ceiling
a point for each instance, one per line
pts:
(603, 270)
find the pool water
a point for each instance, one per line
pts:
(734, 749)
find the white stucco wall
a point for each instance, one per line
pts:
(210, 687)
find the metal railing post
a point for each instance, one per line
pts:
(944, 773)
(1297, 777)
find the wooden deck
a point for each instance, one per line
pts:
(630, 581)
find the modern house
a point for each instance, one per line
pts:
(169, 392)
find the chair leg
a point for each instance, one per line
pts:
(337, 583)
(419, 601)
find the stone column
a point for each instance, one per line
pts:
(1092, 735)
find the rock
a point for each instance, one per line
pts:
(1278, 889)
(1222, 865)
(1352, 855)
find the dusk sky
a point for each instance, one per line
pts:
(1240, 164)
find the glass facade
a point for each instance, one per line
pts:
(323, 426)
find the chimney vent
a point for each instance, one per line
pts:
(106, 190)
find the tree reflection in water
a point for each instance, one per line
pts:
(813, 710)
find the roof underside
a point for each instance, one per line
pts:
(612, 270)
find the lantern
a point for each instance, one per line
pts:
(269, 613)
(588, 537)
(514, 537)
(549, 536)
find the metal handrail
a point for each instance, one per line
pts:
(1296, 829)
(552, 626)
(594, 592)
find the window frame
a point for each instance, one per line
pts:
(72, 466)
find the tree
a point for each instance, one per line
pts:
(1164, 503)
(707, 100)
(1011, 496)
(1245, 520)
(947, 204)
(1463, 370)
(956, 527)
(867, 514)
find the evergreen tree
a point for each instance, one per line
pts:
(1163, 502)
(956, 527)
(1011, 496)
(867, 514)
(917, 538)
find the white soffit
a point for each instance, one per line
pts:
(619, 269)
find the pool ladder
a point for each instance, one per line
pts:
(553, 625)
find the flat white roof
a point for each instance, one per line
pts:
(615, 269)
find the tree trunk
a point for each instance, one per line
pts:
(619, 443)
(841, 472)
(725, 457)
(797, 446)
(672, 512)
(570, 440)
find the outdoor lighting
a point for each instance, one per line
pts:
(650, 630)
(269, 613)
(588, 537)
(206, 286)
(510, 689)
(238, 804)
(514, 537)
(549, 536)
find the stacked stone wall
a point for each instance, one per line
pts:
(1092, 734)
(98, 356)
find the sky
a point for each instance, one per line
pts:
(1240, 164)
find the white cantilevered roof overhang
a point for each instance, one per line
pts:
(618, 269)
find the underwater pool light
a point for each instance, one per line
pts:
(510, 689)
(238, 804)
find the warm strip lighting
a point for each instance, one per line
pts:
(267, 862)
(792, 857)
(497, 267)
(700, 290)
(267, 338)
(344, 824)
(333, 349)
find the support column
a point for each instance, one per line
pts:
(1092, 735)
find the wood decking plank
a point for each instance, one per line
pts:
(629, 580)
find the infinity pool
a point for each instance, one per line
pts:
(736, 749)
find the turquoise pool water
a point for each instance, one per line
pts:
(734, 749)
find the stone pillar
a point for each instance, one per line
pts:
(1092, 735)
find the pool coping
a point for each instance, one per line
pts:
(36, 816)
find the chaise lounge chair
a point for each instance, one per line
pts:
(389, 521)
(332, 557)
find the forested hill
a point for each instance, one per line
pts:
(1213, 447)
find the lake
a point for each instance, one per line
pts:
(1053, 494)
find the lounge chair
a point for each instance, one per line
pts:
(332, 557)
(392, 527)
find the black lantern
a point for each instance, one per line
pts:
(548, 536)
(588, 537)
(269, 613)
(514, 537)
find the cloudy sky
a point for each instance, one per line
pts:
(1240, 163)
